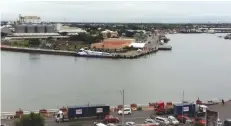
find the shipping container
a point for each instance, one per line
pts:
(88, 111)
(77, 111)
(99, 110)
(188, 109)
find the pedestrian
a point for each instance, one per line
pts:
(223, 102)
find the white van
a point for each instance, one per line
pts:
(162, 121)
(127, 111)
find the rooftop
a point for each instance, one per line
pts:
(35, 34)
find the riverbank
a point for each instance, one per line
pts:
(126, 55)
(37, 50)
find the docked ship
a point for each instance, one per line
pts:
(90, 53)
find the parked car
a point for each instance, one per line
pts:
(153, 116)
(162, 120)
(200, 121)
(127, 111)
(130, 123)
(99, 124)
(151, 121)
(173, 120)
(219, 123)
(227, 122)
(182, 119)
(4, 125)
(111, 124)
(110, 119)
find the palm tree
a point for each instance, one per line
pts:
(31, 119)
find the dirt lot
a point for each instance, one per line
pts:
(113, 43)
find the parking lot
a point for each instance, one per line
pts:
(137, 116)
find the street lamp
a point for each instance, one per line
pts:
(122, 93)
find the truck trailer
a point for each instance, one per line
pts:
(187, 109)
(162, 108)
(76, 112)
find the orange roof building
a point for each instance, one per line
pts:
(113, 43)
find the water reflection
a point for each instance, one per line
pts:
(34, 56)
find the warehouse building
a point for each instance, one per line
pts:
(69, 30)
(5, 31)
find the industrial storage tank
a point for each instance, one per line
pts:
(30, 28)
(50, 29)
(40, 28)
(20, 28)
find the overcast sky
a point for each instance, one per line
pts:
(163, 12)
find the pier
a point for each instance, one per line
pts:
(127, 55)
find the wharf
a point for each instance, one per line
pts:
(127, 55)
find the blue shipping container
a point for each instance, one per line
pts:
(99, 110)
(78, 111)
(88, 111)
(188, 109)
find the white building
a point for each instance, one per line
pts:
(69, 30)
(138, 45)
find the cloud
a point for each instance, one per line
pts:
(118, 11)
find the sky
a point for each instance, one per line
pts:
(120, 11)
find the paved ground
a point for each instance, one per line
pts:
(224, 110)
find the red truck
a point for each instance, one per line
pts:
(110, 119)
(162, 108)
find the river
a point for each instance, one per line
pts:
(199, 64)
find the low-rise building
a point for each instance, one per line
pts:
(110, 34)
(69, 30)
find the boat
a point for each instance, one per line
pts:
(90, 53)
(227, 36)
(165, 47)
(211, 31)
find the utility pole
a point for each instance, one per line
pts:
(122, 92)
(183, 106)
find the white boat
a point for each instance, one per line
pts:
(84, 52)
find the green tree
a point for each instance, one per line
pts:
(49, 38)
(34, 42)
(98, 38)
(109, 34)
(31, 119)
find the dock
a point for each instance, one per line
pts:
(165, 47)
(127, 55)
